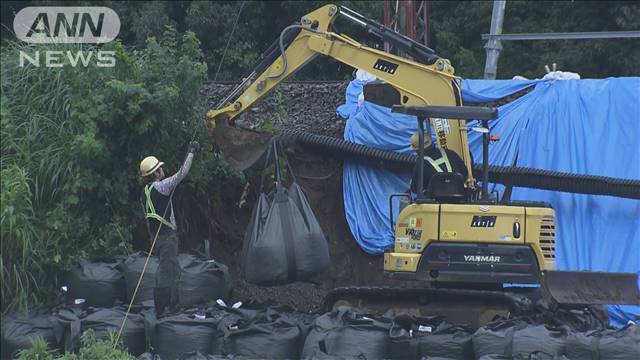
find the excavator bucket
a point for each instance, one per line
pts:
(583, 287)
(241, 147)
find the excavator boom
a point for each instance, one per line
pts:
(428, 82)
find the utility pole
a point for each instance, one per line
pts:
(493, 45)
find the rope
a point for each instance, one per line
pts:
(153, 243)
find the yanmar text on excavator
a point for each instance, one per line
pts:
(453, 231)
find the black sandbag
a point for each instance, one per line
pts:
(346, 332)
(179, 333)
(620, 344)
(278, 339)
(202, 281)
(302, 319)
(414, 337)
(283, 242)
(544, 339)
(515, 337)
(132, 268)
(103, 321)
(99, 283)
(147, 356)
(495, 338)
(19, 329)
(577, 318)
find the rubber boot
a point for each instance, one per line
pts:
(161, 299)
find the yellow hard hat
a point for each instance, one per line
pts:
(415, 139)
(149, 165)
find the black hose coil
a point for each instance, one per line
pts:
(507, 175)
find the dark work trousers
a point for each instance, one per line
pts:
(166, 249)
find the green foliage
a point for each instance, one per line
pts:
(72, 139)
(39, 350)
(456, 28)
(91, 348)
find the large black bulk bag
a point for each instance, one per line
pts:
(99, 283)
(577, 318)
(621, 344)
(284, 242)
(19, 329)
(413, 337)
(202, 281)
(132, 269)
(103, 321)
(345, 332)
(278, 339)
(179, 333)
(513, 337)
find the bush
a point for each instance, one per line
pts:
(92, 349)
(72, 139)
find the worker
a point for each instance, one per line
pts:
(436, 160)
(158, 202)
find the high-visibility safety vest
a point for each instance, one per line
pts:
(437, 164)
(151, 210)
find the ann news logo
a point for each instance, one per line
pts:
(67, 25)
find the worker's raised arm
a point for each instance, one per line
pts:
(166, 185)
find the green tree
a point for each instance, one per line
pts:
(72, 139)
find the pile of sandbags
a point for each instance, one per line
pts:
(217, 331)
(102, 284)
(269, 332)
(519, 338)
(621, 344)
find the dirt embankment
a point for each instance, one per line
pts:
(310, 107)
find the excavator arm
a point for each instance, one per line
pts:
(429, 82)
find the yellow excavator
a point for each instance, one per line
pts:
(454, 231)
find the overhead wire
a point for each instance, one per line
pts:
(193, 136)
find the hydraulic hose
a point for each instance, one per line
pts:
(506, 175)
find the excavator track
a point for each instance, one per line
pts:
(462, 306)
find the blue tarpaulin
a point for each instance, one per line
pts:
(578, 126)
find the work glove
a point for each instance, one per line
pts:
(194, 147)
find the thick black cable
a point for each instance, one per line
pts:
(507, 175)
